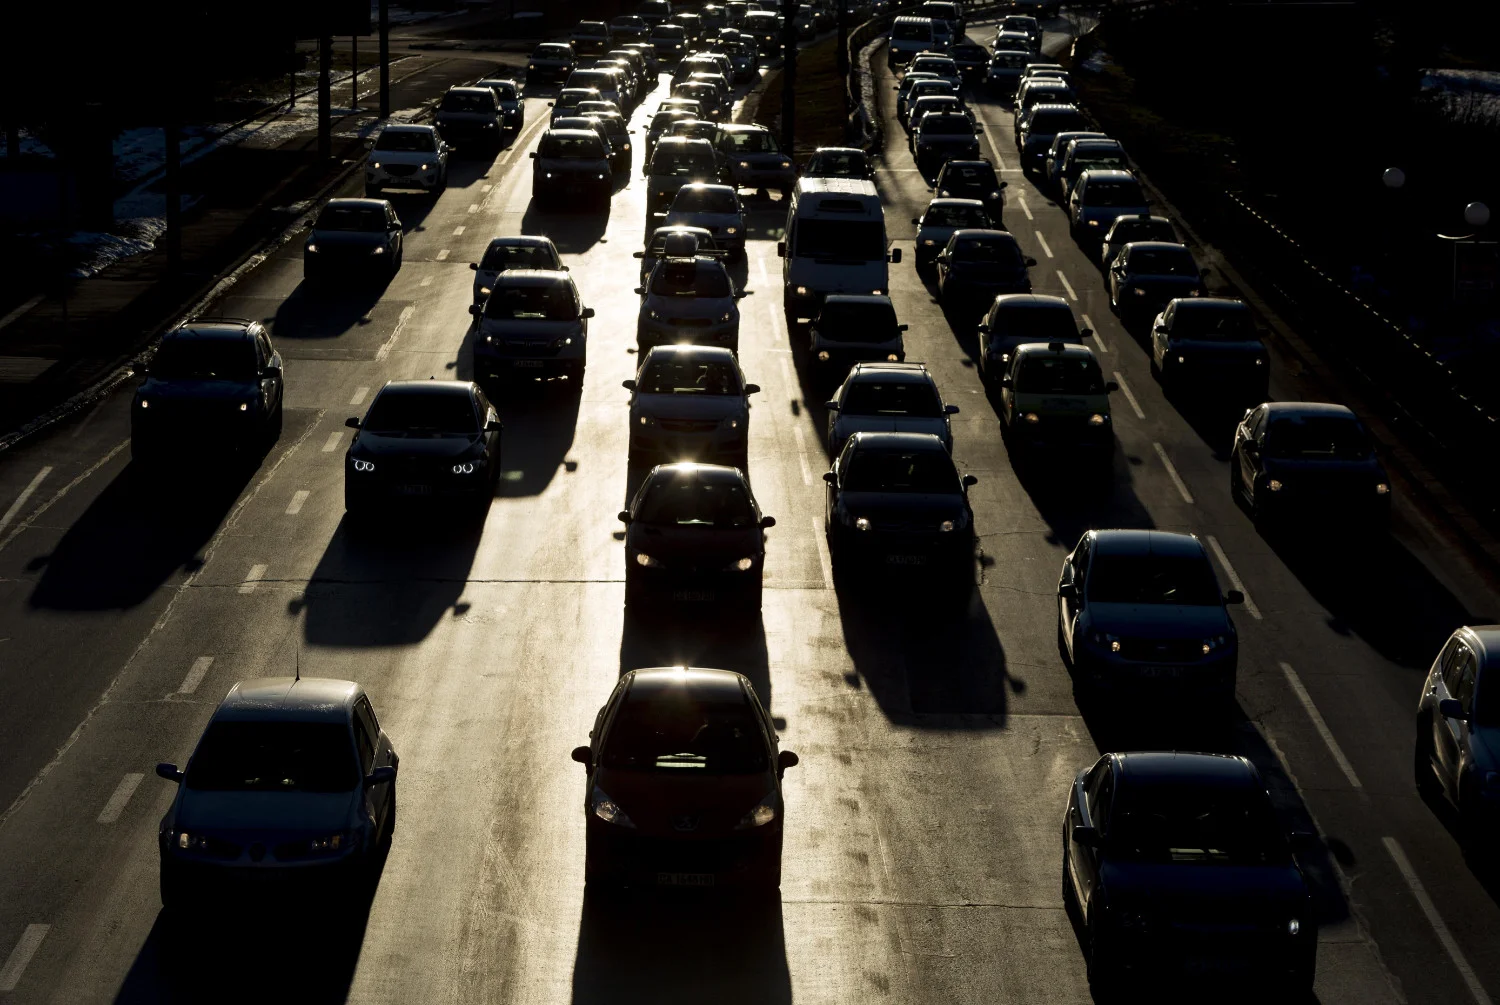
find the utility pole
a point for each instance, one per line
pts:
(173, 184)
(843, 45)
(291, 78)
(325, 97)
(789, 77)
(353, 73)
(385, 59)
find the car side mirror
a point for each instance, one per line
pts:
(895, 256)
(1067, 591)
(352, 422)
(381, 775)
(271, 372)
(780, 249)
(768, 522)
(831, 477)
(583, 755)
(623, 516)
(532, 155)
(1006, 381)
(628, 385)
(970, 480)
(1005, 184)
(169, 771)
(1031, 263)
(950, 409)
(588, 312)
(476, 309)
(473, 266)
(551, 103)
(786, 759)
(1452, 708)
(917, 220)
(831, 405)
(639, 291)
(742, 294)
(494, 426)
(1085, 835)
(1111, 386)
(1234, 597)
(637, 254)
(752, 389)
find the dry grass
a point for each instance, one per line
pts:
(821, 119)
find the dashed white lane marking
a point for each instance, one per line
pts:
(56, 496)
(802, 455)
(20, 311)
(359, 395)
(458, 231)
(760, 266)
(1067, 285)
(25, 495)
(820, 539)
(1045, 247)
(1439, 927)
(1166, 461)
(406, 315)
(196, 674)
(119, 798)
(1320, 725)
(426, 281)
(331, 444)
(1234, 577)
(298, 498)
(1097, 340)
(442, 256)
(1125, 390)
(485, 187)
(786, 375)
(15, 964)
(254, 576)
(1025, 208)
(473, 207)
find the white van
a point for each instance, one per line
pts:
(835, 243)
(909, 36)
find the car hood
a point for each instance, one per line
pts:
(156, 389)
(1167, 285)
(653, 798)
(1110, 213)
(1207, 892)
(987, 273)
(688, 406)
(920, 507)
(1218, 351)
(708, 221)
(346, 238)
(573, 165)
(527, 331)
(256, 813)
(418, 157)
(1297, 469)
(948, 140)
(1162, 621)
(847, 425)
(705, 548)
(464, 117)
(436, 447)
(689, 307)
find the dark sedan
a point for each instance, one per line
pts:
(973, 180)
(1177, 869)
(1458, 729)
(979, 265)
(1309, 460)
(354, 237)
(1209, 348)
(684, 783)
(1147, 274)
(943, 136)
(838, 162)
(423, 440)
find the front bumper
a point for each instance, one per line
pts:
(838, 356)
(196, 437)
(1261, 955)
(358, 260)
(762, 177)
(1071, 435)
(697, 586)
(207, 881)
(464, 133)
(363, 490)
(393, 177)
(547, 74)
(494, 360)
(906, 551)
(1209, 679)
(581, 183)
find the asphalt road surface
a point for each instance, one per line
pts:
(922, 837)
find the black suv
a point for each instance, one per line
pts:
(214, 383)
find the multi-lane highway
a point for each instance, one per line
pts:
(937, 741)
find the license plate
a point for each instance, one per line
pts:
(527, 363)
(1160, 671)
(414, 490)
(694, 596)
(684, 879)
(906, 560)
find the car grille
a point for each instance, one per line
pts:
(400, 170)
(689, 322)
(1162, 650)
(688, 425)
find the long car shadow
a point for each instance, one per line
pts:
(700, 635)
(573, 233)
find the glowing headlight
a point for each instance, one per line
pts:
(760, 816)
(786, 164)
(191, 842)
(744, 164)
(862, 523)
(645, 561)
(312, 248)
(464, 468)
(379, 249)
(877, 293)
(654, 315)
(1293, 927)
(1274, 485)
(559, 343)
(1216, 642)
(732, 422)
(608, 810)
(945, 193)
(484, 291)
(1381, 489)
(425, 167)
(360, 465)
(324, 845)
(731, 230)
(1139, 291)
(928, 242)
(145, 403)
(1181, 359)
(244, 406)
(1031, 417)
(531, 66)
(945, 526)
(727, 315)
(995, 194)
(1097, 419)
(601, 177)
(823, 355)
(1259, 361)
(548, 174)
(376, 165)
(645, 420)
(744, 564)
(802, 291)
(1093, 223)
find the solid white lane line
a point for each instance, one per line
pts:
(21, 499)
(1439, 927)
(1043, 241)
(196, 674)
(121, 796)
(442, 256)
(359, 395)
(1067, 285)
(1125, 389)
(1025, 208)
(458, 231)
(16, 314)
(820, 539)
(1166, 461)
(802, 455)
(254, 576)
(56, 496)
(298, 498)
(15, 964)
(332, 443)
(1320, 725)
(1097, 340)
(1234, 577)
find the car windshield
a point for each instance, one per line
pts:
(838, 165)
(406, 141)
(691, 279)
(956, 216)
(929, 471)
(571, 99)
(917, 399)
(1050, 122)
(591, 28)
(689, 376)
(577, 148)
(1126, 230)
(857, 322)
(755, 141)
(464, 101)
(1195, 823)
(367, 219)
(686, 729)
(695, 502)
(662, 120)
(552, 52)
(911, 31)
(930, 64)
(1098, 161)
(841, 240)
(970, 178)
(968, 50)
(947, 125)
(1113, 193)
(612, 122)
(692, 129)
(673, 32)
(1314, 436)
(399, 413)
(550, 302)
(504, 257)
(683, 163)
(1059, 374)
(991, 251)
(504, 90)
(708, 199)
(1010, 60)
(1214, 324)
(274, 757)
(1162, 262)
(205, 359)
(1040, 323)
(1183, 580)
(930, 89)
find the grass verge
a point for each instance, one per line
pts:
(820, 99)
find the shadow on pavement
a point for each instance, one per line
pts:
(697, 635)
(573, 233)
(541, 419)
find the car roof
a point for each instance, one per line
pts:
(356, 204)
(408, 127)
(1031, 301)
(744, 127)
(469, 90)
(1067, 350)
(708, 186)
(703, 352)
(839, 150)
(898, 373)
(225, 330)
(534, 277)
(985, 234)
(487, 81)
(1094, 142)
(1053, 106)
(1108, 174)
(520, 241)
(1154, 245)
(1140, 218)
(701, 472)
(570, 133)
(287, 699)
(1300, 409)
(1146, 542)
(948, 202)
(434, 387)
(1173, 768)
(1204, 303)
(856, 298)
(695, 143)
(968, 162)
(899, 441)
(656, 680)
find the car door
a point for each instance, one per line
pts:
(487, 415)
(272, 387)
(367, 744)
(1161, 336)
(1249, 454)
(1099, 793)
(1450, 736)
(1069, 606)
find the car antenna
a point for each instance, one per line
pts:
(297, 667)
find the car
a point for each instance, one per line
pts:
(1039, 8)
(1024, 23)
(291, 789)
(631, 81)
(617, 134)
(550, 63)
(684, 783)
(568, 99)
(690, 402)
(1141, 620)
(922, 105)
(572, 164)
(1052, 161)
(712, 17)
(586, 108)
(751, 158)
(1309, 461)
(1037, 128)
(851, 328)
(1041, 68)
(700, 62)
(979, 265)
(670, 40)
(1141, 227)
(470, 118)
(1017, 318)
(608, 82)
(839, 162)
(645, 75)
(715, 208)
(942, 65)
(650, 58)
(1210, 348)
(1040, 91)
(512, 107)
(886, 397)
(589, 124)
(654, 11)
(706, 94)
(694, 129)
(1003, 73)
(407, 156)
(942, 136)
(941, 218)
(805, 23)
(943, 36)
(660, 123)
(692, 23)
(895, 501)
(1454, 754)
(674, 163)
(970, 57)
(764, 27)
(1098, 197)
(214, 385)
(1089, 155)
(909, 36)
(1012, 41)
(949, 11)
(903, 89)
(353, 236)
(656, 247)
(1054, 400)
(688, 299)
(1148, 274)
(504, 254)
(629, 28)
(961, 179)
(1154, 843)
(689, 105)
(590, 38)
(928, 87)
(719, 81)
(533, 324)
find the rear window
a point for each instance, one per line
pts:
(500, 258)
(691, 279)
(370, 219)
(1162, 262)
(553, 302)
(956, 216)
(1196, 823)
(935, 64)
(274, 757)
(673, 32)
(1050, 374)
(686, 501)
(994, 251)
(930, 88)
(406, 142)
(1317, 436)
(970, 177)
(409, 412)
(683, 163)
(1044, 324)
(504, 90)
(688, 730)
(692, 199)
(947, 125)
(571, 147)
(205, 359)
(911, 31)
(689, 376)
(664, 119)
(1047, 123)
(463, 101)
(857, 322)
(1222, 324)
(755, 142)
(1183, 580)
(1126, 230)
(1113, 193)
(929, 471)
(851, 164)
(898, 397)
(553, 51)
(840, 240)
(1010, 60)
(693, 129)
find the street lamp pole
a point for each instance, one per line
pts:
(789, 77)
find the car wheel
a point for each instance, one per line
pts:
(273, 429)
(1103, 970)
(389, 830)
(1421, 762)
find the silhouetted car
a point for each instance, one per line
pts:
(1141, 619)
(1097, 198)
(684, 783)
(886, 397)
(1209, 348)
(533, 324)
(507, 253)
(1004, 70)
(674, 163)
(971, 58)
(1176, 868)
(752, 158)
(215, 386)
(1036, 128)
(590, 38)
(654, 11)
(695, 535)
(1457, 753)
(291, 789)
(1309, 460)
(1041, 91)
(1141, 227)
(979, 265)
(923, 105)
(569, 98)
(656, 247)
(1147, 274)
(939, 64)
(710, 100)
(660, 122)
(572, 163)
(421, 441)
(354, 237)
(1024, 23)
(617, 134)
(850, 328)
(629, 28)
(1089, 155)
(471, 118)
(715, 208)
(1052, 161)
(508, 93)
(550, 63)
(910, 80)
(838, 162)
(1017, 318)
(407, 156)
(690, 402)
(688, 299)
(941, 219)
(1054, 402)
(975, 179)
(943, 136)
(670, 41)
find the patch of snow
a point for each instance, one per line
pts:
(101, 250)
(1096, 63)
(30, 146)
(1461, 81)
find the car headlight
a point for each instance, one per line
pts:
(362, 465)
(1215, 642)
(191, 842)
(425, 167)
(743, 565)
(608, 810)
(375, 165)
(995, 194)
(559, 343)
(1293, 927)
(145, 403)
(1139, 291)
(802, 291)
(1275, 485)
(764, 813)
(645, 561)
(601, 177)
(1382, 489)
(862, 523)
(244, 406)
(1181, 359)
(379, 249)
(464, 468)
(313, 248)
(328, 845)
(1259, 361)
(654, 315)
(733, 422)
(731, 230)
(1093, 223)
(744, 164)
(726, 316)
(646, 420)
(547, 174)
(786, 164)
(1111, 642)
(946, 526)
(531, 66)
(928, 242)
(945, 193)
(1031, 417)
(484, 291)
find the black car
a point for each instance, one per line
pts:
(896, 500)
(423, 441)
(980, 265)
(684, 783)
(943, 136)
(971, 57)
(1458, 729)
(1308, 460)
(973, 180)
(1017, 318)
(1176, 868)
(214, 385)
(839, 162)
(354, 237)
(550, 63)
(1140, 617)
(572, 164)
(1209, 348)
(695, 534)
(471, 118)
